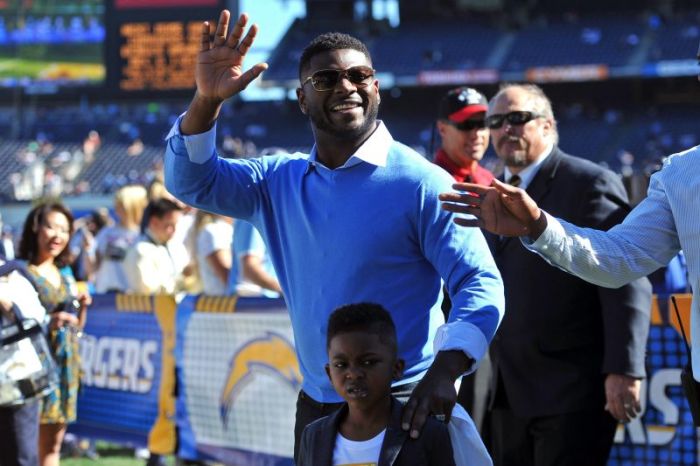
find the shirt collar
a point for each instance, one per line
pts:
(529, 172)
(444, 160)
(374, 150)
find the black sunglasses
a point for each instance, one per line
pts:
(468, 125)
(517, 118)
(325, 80)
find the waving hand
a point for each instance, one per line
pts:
(219, 73)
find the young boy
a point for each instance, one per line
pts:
(366, 430)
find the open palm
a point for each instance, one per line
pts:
(219, 72)
(500, 209)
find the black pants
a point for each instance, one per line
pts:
(583, 438)
(308, 410)
(19, 435)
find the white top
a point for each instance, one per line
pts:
(153, 268)
(665, 222)
(19, 290)
(351, 453)
(215, 236)
(112, 243)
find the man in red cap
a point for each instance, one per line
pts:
(464, 135)
(465, 139)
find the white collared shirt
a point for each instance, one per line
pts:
(528, 173)
(374, 150)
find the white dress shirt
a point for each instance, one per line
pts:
(528, 173)
(665, 222)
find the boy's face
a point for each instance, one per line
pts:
(361, 368)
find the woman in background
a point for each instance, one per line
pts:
(211, 239)
(44, 246)
(111, 243)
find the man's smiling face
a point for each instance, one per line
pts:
(349, 110)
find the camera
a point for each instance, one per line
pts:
(70, 305)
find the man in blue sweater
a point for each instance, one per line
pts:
(358, 219)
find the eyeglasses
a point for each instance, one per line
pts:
(469, 125)
(517, 118)
(326, 80)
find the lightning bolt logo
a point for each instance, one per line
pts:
(271, 353)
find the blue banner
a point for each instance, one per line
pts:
(238, 378)
(125, 384)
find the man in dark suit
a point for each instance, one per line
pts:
(569, 356)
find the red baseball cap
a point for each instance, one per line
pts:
(461, 103)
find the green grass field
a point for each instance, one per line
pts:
(48, 70)
(110, 455)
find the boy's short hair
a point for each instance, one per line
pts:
(366, 317)
(328, 42)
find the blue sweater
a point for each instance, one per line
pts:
(371, 230)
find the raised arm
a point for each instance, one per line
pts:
(219, 71)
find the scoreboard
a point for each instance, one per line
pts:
(102, 48)
(152, 45)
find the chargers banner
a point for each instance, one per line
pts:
(127, 384)
(664, 434)
(238, 379)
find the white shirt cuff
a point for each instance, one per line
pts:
(200, 147)
(549, 237)
(461, 336)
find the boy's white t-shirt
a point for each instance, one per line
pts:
(351, 453)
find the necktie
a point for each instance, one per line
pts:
(513, 181)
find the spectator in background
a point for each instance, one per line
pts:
(7, 245)
(569, 356)
(212, 251)
(464, 140)
(152, 264)
(252, 273)
(82, 245)
(183, 239)
(19, 425)
(44, 245)
(91, 145)
(464, 135)
(112, 243)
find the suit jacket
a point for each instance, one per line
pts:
(560, 336)
(433, 447)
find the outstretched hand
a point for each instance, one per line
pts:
(501, 209)
(219, 72)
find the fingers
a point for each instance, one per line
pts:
(206, 33)
(471, 187)
(247, 77)
(622, 397)
(61, 319)
(460, 198)
(414, 415)
(222, 28)
(245, 44)
(237, 32)
(469, 222)
(461, 209)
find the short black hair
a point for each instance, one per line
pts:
(158, 208)
(366, 317)
(328, 42)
